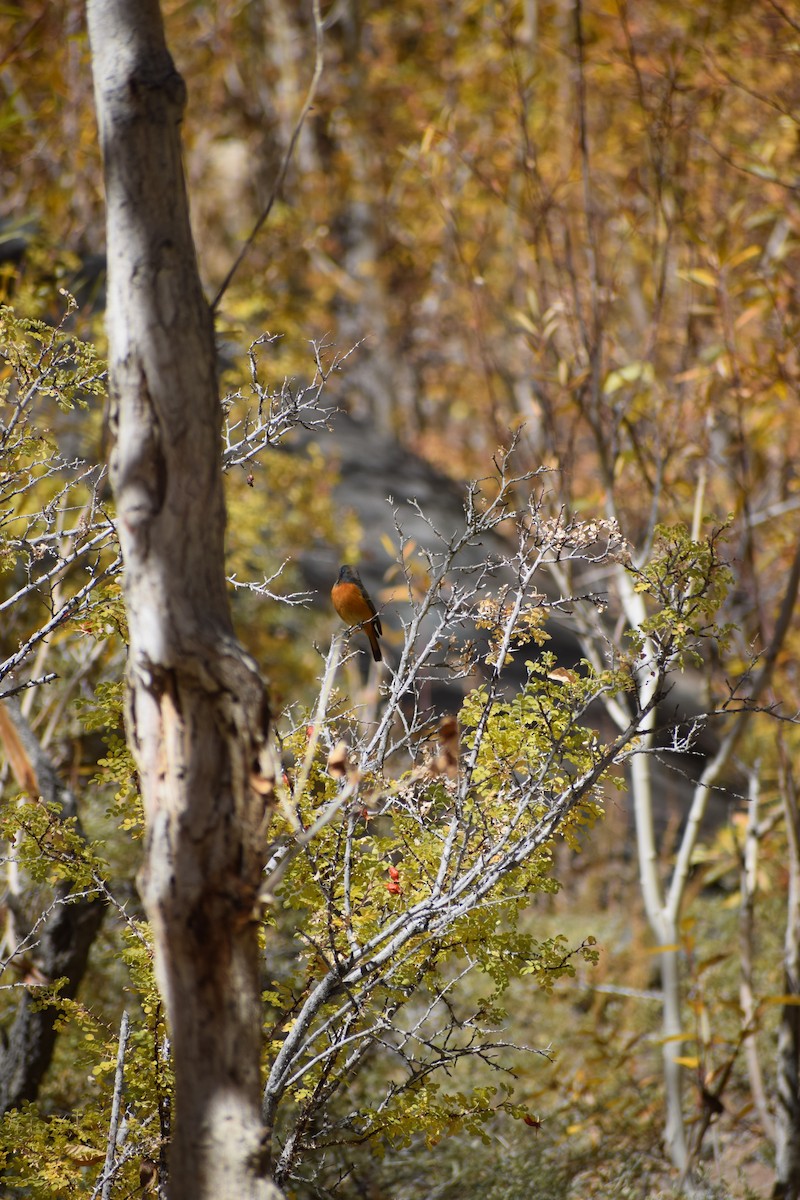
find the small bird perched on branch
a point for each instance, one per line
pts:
(352, 603)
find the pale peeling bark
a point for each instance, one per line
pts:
(197, 712)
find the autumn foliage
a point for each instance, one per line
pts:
(568, 229)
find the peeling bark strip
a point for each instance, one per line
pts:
(197, 713)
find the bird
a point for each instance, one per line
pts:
(352, 603)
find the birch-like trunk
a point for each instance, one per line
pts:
(196, 713)
(662, 911)
(787, 1112)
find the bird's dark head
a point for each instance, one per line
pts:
(347, 574)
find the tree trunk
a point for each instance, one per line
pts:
(664, 927)
(787, 1113)
(196, 714)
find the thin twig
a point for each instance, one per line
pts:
(287, 158)
(113, 1125)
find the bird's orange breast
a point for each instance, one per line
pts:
(349, 602)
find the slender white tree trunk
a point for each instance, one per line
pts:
(662, 912)
(197, 712)
(787, 1114)
(664, 927)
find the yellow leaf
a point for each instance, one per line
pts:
(786, 999)
(743, 256)
(749, 314)
(699, 275)
(630, 373)
(84, 1155)
(688, 1060)
(664, 949)
(524, 320)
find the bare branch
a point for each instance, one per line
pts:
(116, 1101)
